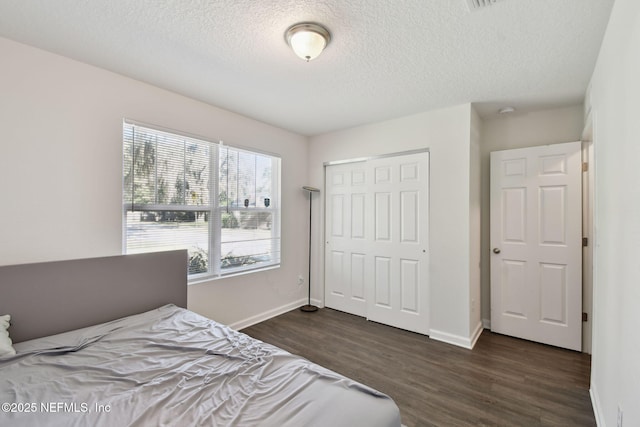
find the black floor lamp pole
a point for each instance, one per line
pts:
(308, 307)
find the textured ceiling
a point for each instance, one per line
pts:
(387, 58)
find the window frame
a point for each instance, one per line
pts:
(214, 207)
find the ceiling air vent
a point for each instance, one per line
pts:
(479, 4)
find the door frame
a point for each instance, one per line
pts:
(588, 229)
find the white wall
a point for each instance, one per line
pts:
(61, 171)
(446, 133)
(475, 209)
(615, 100)
(518, 130)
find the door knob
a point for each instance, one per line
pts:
(496, 250)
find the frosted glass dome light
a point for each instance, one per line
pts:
(307, 39)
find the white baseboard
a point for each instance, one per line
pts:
(597, 410)
(460, 341)
(476, 334)
(486, 323)
(241, 324)
(317, 303)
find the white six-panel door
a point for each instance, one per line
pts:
(376, 259)
(398, 287)
(536, 242)
(346, 242)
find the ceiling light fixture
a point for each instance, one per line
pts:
(506, 110)
(307, 39)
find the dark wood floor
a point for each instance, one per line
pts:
(503, 381)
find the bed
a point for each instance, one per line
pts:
(109, 341)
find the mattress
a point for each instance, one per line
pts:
(170, 366)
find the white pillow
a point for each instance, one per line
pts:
(6, 349)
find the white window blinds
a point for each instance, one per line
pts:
(220, 203)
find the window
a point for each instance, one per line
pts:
(220, 203)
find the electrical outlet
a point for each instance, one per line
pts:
(619, 416)
(300, 280)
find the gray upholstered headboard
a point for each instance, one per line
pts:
(53, 297)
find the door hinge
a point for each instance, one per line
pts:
(585, 166)
(585, 241)
(585, 317)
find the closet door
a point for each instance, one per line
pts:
(397, 285)
(376, 249)
(346, 241)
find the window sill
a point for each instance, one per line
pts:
(210, 278)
